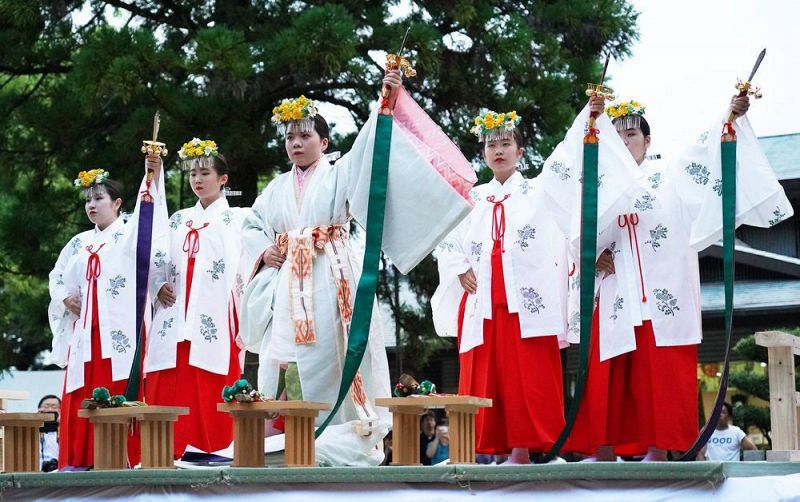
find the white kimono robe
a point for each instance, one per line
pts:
(675, 213)
(207, 322)
(116, 295)
(535, 265)
(421, 208)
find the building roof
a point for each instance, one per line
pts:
(748, 255)
(752, 295)
(783, 152)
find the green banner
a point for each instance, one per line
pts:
(588, 265)
(728, 159)
(367, 285)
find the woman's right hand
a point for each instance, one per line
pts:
(272, 257)
(166, 295)
(605, 263)
(73, 304)
(153, 163)
(597, 104)
(468, 281)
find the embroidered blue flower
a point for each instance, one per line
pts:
(666, 302)
(574, 323)
(75, 245)
(115, 284)
(560, 169)
(160, 260)
(600, 180)
(698, 172)
(175, 221)
(532, 302)
(703, 138)
(656, 234)
(120, 342)
(718, 187)
(476, 249)
(617, 307)
(525, 187)
(226, 216)
(655, 180)
(644, 202)
(475, 195)
(60, 279)
(525, 234)
(117, 236)
(207, 328)
(446, 246)
(778, 216)
(167, 324)
(217, 268)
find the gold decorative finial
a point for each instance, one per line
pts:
(155, 147)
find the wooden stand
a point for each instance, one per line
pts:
(783, 396)
(461, 411)
(248, 431)
(12, 395)
(111, 435)
(21, 445)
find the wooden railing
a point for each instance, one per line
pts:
(783, 395)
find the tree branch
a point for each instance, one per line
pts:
(175, 20)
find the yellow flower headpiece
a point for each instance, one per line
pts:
(86, 179)
(197, 148)
(624, 109)
(298, 112)
(492, 126)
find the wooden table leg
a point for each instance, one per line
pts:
(248, 440)
(300, 445)
(21, 448)
(462, 434)
(405, 438)
(158, 448)
(111, 445)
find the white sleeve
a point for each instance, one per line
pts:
(760, 199)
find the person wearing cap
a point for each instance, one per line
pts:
(303, 269)
(93, 305)
(191, 352)
(502, 290)
(641, 393)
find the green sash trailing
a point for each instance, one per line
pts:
(728, 158)
(587, 261)
(365, 293)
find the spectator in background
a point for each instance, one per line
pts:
(48, 439)
(439, 449)
(727, 441)
(427, 432)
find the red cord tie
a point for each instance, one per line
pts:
(498, 220)
(92, 273)
(191, 245)
(630, 222)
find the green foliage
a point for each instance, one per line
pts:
(748, 349)
(746, 416)
(756, 385)
(78, 89)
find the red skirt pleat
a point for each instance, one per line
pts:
(641, 399)
(204, 427)
(76, 435)
(522, 377)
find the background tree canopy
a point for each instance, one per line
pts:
(80, 81)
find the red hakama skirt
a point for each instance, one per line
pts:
(641, 399)
(204, 427)
(76, 435)
(522, 377)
